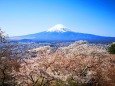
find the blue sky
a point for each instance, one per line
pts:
(20, 17)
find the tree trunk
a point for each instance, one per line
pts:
(3, 79)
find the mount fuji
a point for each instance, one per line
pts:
(60, 33)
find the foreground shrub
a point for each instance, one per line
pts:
(112, 49)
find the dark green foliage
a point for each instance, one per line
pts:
(60, 83)
(72, 82)
(111, 49)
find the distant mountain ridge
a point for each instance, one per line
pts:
(61, 33)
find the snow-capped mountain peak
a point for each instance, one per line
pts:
(58, 28)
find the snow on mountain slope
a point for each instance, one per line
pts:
(58, 28)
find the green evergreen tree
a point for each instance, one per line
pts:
(111, 49)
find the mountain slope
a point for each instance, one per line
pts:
(62, 33)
